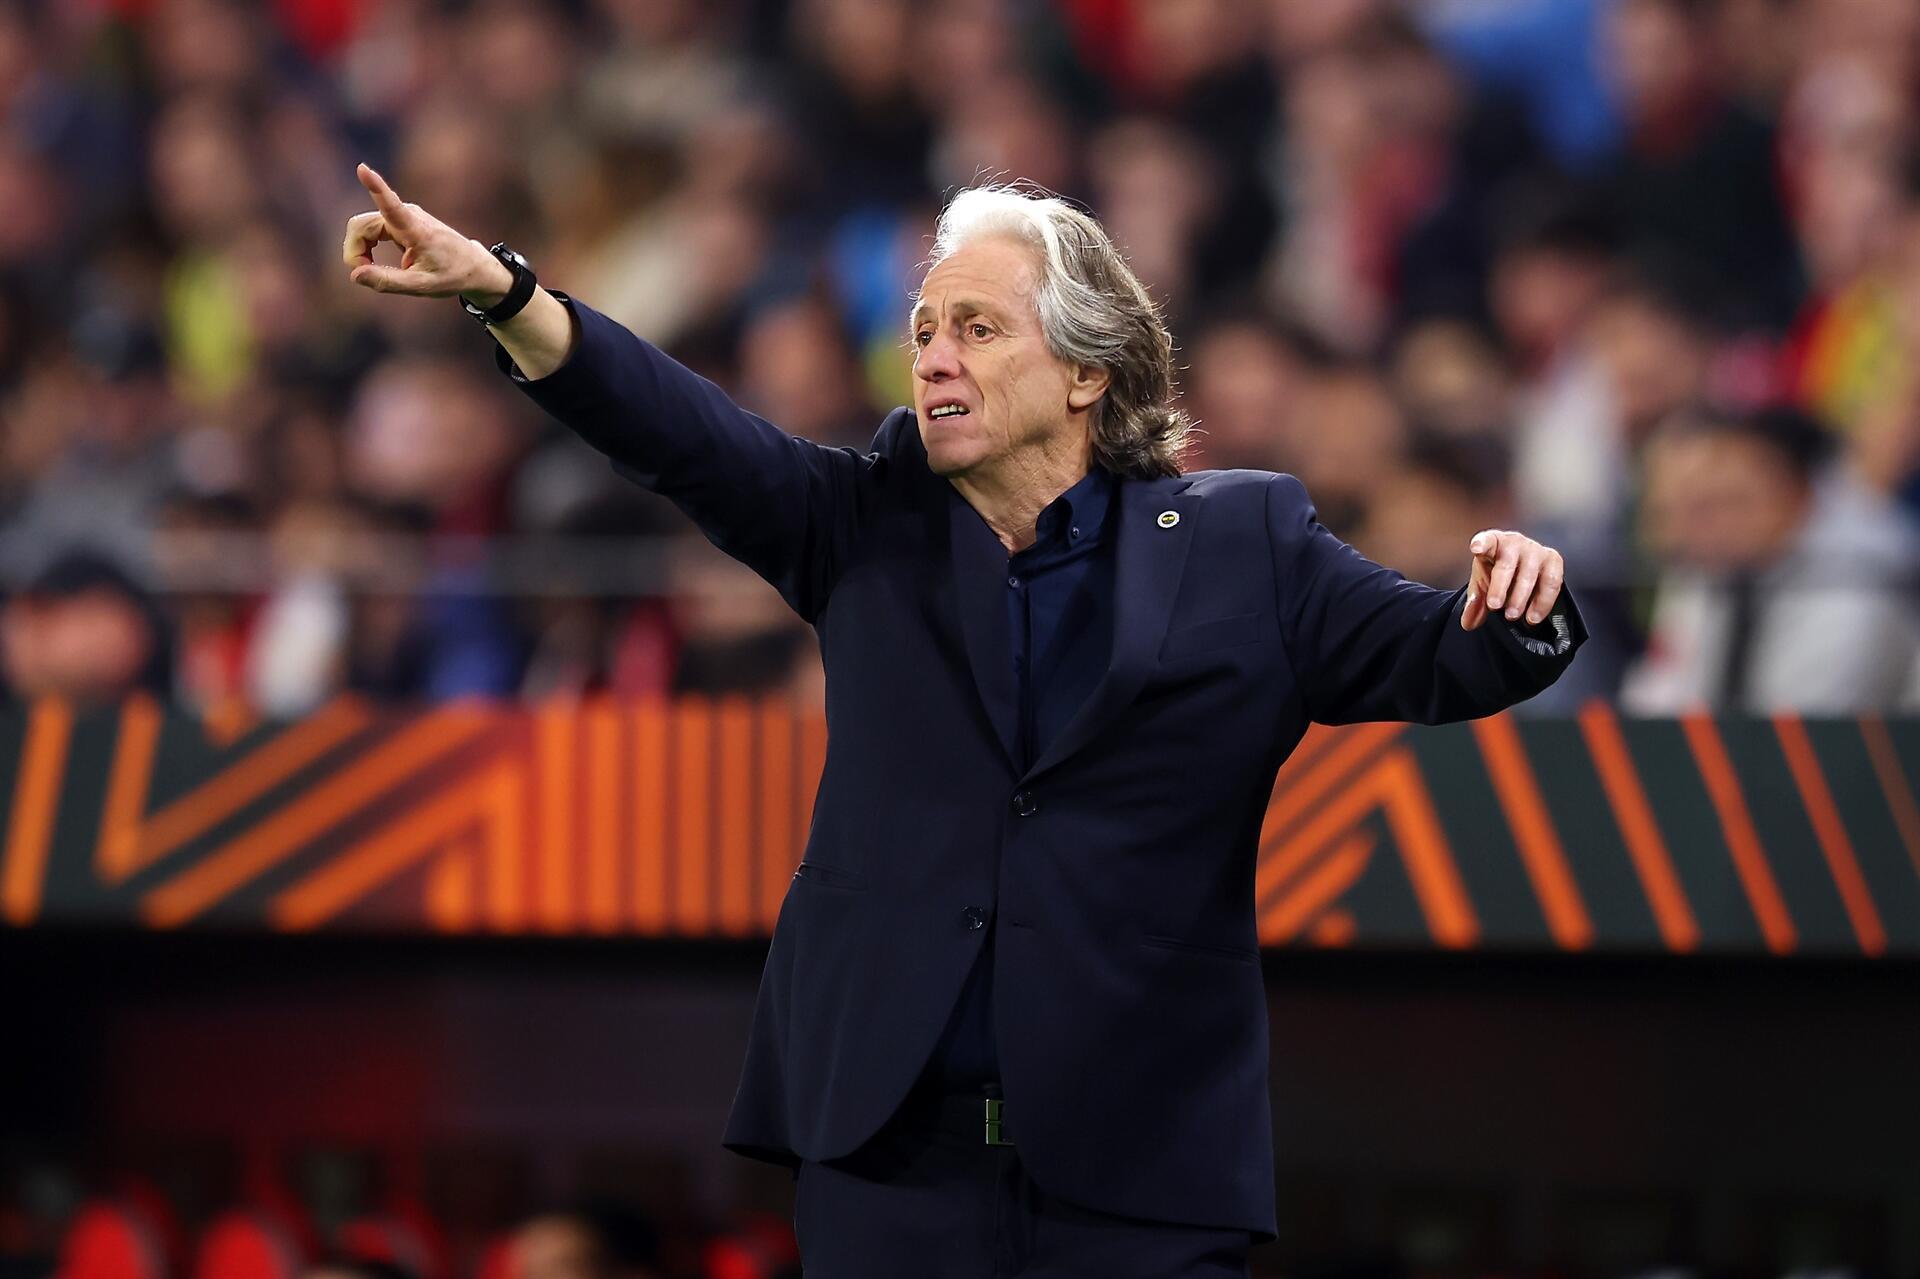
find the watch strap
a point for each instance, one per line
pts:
(517, 296)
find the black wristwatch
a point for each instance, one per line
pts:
(517, 297)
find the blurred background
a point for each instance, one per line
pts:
(1640, 277)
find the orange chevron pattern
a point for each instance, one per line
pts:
(131, 840)
(1312, 848)
(36, 800)
(1743, 840)
(1526, 809)
(491, 810)
(292, 827)
(1652, 862)
(687, 818)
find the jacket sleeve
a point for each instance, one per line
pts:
(783, 506)
(1367, 644)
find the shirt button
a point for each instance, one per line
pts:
(1014, 582)
(1074, 531)
(973, 917)
(1025, 804)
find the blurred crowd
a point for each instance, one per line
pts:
(1640, 277)
(136, 1235)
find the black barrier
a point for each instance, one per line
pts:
(685, 819)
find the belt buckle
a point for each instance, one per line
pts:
(996, 1117)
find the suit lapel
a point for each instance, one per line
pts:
(1150, 553)
(978, 565)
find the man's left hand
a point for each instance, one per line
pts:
(1513, 574)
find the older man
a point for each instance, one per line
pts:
(1012, 1021)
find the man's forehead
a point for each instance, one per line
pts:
(997, 272)
(963, 300)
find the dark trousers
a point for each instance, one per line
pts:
(928, 1198)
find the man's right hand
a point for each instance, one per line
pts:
(436, 261)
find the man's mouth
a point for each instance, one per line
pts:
(948, 410)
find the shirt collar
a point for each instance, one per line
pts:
(1078, 515)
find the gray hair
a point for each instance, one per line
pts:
(1094, 312)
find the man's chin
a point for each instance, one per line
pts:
(946, 461)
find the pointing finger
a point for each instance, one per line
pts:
(1485, 544)
(383, 195)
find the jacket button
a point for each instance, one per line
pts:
(1025, 804)
(974, 917)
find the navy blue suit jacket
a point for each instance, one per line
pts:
(1129, 1007)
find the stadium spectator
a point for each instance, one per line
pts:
(1788, 583)
(797, 364)
(92, 446)
(1453, 379)
(1347, 463)
(1640, 352)
(83, 629)
(1695, 163)
(1243, 387)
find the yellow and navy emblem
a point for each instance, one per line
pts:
(1169, 518)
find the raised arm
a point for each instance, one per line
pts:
(785, 507)
(1370, 645)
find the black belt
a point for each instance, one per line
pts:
(973, 1115)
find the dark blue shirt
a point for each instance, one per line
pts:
(1060, 621)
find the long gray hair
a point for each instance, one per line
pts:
(1093, 311)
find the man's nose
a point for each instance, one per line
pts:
(938, 359)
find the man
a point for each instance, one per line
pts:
(1784, 583)
(84, 630)
(1012, 1019)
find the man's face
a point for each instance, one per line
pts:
(89, 646)
(977, 345)
(1719, 502)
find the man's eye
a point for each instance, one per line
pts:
(923, 337)
(979, 330)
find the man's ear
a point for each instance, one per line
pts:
(1089, 384)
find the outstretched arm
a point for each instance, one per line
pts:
(785, 507)
(1370, 645)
